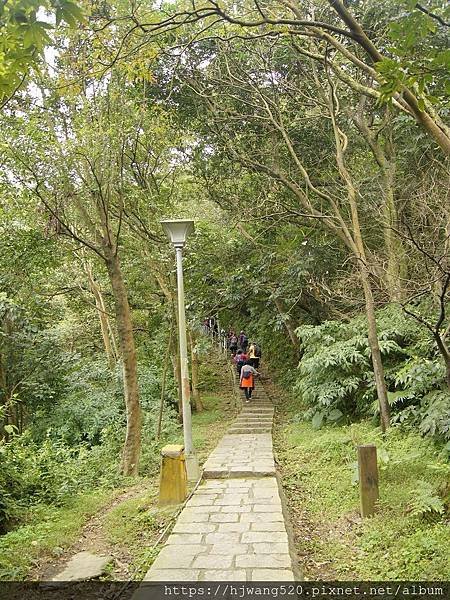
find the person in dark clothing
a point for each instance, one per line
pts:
(243, 341)
(239, 360)
(233, 343)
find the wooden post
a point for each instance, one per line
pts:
(368, 478)
(173, 482)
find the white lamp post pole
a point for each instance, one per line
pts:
(178, 230)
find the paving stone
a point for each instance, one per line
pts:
(181, 527)
(184, 538)
(265, 492)
(237, 509)
(235, 513)
(265, 508)
(233, 527)
(171, 575)
(268, 483)
(188, 516)
(271, 547)
(252, 517)
(221, 575)
(169, 558)
(213, 561)
(272, 500)
(203, 509)
(277, 526)
(264, 561)
(232, 483)
(229, 550)
(255, 537)
(224, 517)
(82, 566)
(212, 484)
(201, 500)
(229, 501)
(214, 474)
(223, 538)
(272, 575)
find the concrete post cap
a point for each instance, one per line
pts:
(173, 450)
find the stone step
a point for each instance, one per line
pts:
(244, 472)
(253, 421)
(252, 426)
(255, 418)
(260, 402)
(250, 430)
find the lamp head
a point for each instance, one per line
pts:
(178, 230)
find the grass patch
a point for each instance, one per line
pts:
(48, 529)
(209, 425)
(137, 524)
(409, 536)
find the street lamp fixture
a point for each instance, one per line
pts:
(178, 230)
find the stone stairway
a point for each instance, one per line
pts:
(256, 416)
(233, 527)
(246, 450)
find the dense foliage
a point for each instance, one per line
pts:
(336, 380)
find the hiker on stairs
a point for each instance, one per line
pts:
(247, 380)
(254, 355)
(239, 360)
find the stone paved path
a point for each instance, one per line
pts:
(233, 528)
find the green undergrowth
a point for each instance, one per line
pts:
(134, 524)
(138, 523)
(409, 536)
(48, 531)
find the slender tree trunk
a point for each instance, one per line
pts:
(163, 384)
(197, 401)
(108, 340)
(176, 364)
(396, 263)
(132, 446)
(356, 244)
(374, 345)
(289, 326)
(383, 153)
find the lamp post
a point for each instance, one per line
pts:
(178, 230)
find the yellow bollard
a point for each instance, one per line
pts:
(173, 481)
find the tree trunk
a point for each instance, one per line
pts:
(396, 263)
(445, 355)
(177, 376)
(108, 340)
(287, 322)
(163, 385)
(197, 401)
(374, 345)
(356, 244)
(132, 445)
(384, 155)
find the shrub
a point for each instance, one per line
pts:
(336, 380)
